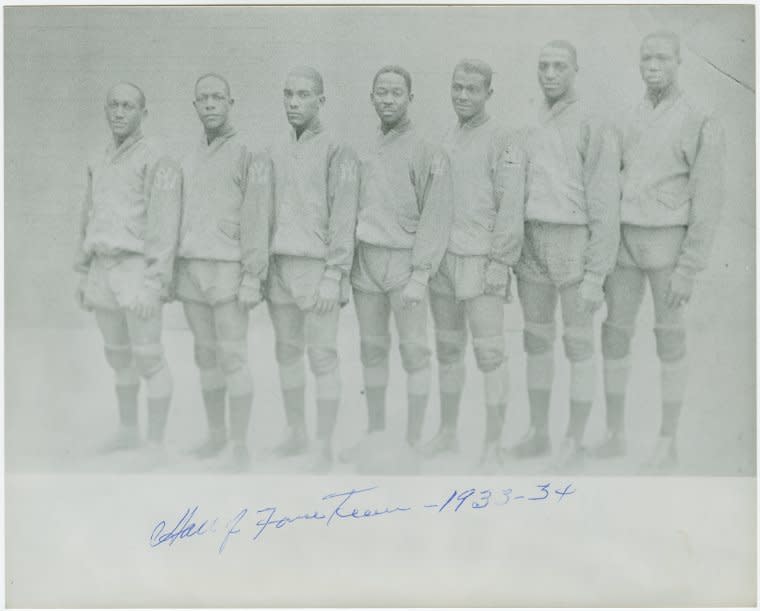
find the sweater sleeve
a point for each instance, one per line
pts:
(706, 185)
(82, 258)
(256, 218)
(343, 202)
(601, 171)
(509, 176)
(164, 182)
(432, 185)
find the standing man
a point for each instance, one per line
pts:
(472, 284)
(222, 261)
(314, 183)
(672, 183)
(571, 238)
(128, 238)
(405, 213)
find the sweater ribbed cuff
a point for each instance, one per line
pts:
(421, 276)
(333, 273)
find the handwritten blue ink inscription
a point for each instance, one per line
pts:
(354, 505)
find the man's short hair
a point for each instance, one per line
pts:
(668, 35)
(394, 69)
(567, 46)
(476, 66)
(218, 77)
(141, 99)
(312, 74)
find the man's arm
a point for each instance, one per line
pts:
(342, 201)
(255, 222)
(601, 181)
(162, 226)
(432, 178)
(706, 186)
(82, 258)
(509, 176)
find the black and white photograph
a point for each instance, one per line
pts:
(410, 285)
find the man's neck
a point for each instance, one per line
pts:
(386, 127)
(474, 119)
(658, 95)
(214, 132)
(118, 140)
(301, 129)
(552, 102)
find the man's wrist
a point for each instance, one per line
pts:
(250, 283)
(420, 276)
(686, 273)
(333, 273)
(594, 279)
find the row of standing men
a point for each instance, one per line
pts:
(581, 211)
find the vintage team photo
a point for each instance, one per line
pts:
(394, 241)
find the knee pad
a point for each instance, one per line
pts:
(538, 337)
(671, 342)
(205, 356)
(616, 341)
(119, 356)
(322, 359)
(489, 352)
(414, 357)
(579, 343)
(288, 353)
(450, 346)
(374, 350)
(232, 356)
(149, 359)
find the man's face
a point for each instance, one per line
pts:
(469, 94)
(123, 111)
(212, 103)
(659, 63)
(556, 72)
(301, 101)
(391, 97)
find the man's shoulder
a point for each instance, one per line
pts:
(154, 151)
(696, 110)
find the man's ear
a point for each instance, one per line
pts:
(490, 92)
(144, 114)
(232, 101)
(411, 97)
(322, 99)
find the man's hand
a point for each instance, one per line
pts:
(79, 294)
(249, 297)
(498, 280)
(413, 294)
(679, 290)
(591, 295)
(147, 303)
(328, 294)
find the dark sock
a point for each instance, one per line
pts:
(327, 413)
(213, 401)
(615, 413)
(126, 397)
(576, 427)
(450, 409)
(415, 417)
(158, 414)
(539, 410)
(495, 421)
(240, 416)
(294, 407)
(375, 408)
(671, 412)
